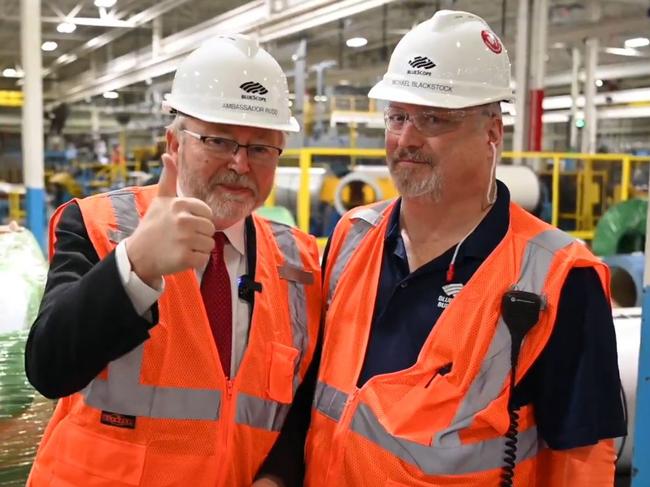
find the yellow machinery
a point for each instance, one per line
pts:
(14, 194)
(16, 213)
(591, 183)
(593, 175)
(68, 182)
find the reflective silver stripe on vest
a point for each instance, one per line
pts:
(329, 401)
(126, 214)
(122, 393)
(439, 460)
(260, 413)
(363, 221)
(297, 292)
(432, 460)
(535, 266)
(447, 455)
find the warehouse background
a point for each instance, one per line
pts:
(577, 137)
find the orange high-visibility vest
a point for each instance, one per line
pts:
(422, 426)
(174, 419)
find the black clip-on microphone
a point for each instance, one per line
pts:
(246, 287)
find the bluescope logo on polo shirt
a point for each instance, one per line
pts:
(449, 292)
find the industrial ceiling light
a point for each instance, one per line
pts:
(628, 51)
(49, 46)
(66, 27)
(613, 97)
(12, 73)
(599, 83)
(111, 95)
(637, 42)
(356, 42)
(104, 3)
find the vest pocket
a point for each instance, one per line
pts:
(80, 452)
(281, 363)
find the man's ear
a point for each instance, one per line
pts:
(172, 141)
(495, 131)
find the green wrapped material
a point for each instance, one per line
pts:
(22, 279)
(621, 230)
(15, 392)
(278, 214)
(23, 412)
(23, 271)
(19, 438)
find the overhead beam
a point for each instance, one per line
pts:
(137, 20)
(92, 21)
(252, 18)
(600, 29)
(611, 71)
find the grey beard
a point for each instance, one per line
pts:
(224, 206)
(230, 208)
(408, 183)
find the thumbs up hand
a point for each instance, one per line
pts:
(175, 233)
(168, 177)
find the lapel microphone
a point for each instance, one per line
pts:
(246, 287)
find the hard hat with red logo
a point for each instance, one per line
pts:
(231, 79)
(452, 60)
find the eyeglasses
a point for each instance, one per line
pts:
(428, 122)
(257, 153)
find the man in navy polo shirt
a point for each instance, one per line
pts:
(454, 226)
(455, 321)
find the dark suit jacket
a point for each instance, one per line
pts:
(86, 320)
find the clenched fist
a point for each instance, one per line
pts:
(175, 233)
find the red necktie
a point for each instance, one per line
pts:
(215, 290)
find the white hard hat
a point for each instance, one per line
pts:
(231, 79)
(452, 60)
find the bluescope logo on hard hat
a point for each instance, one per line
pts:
(253, 91)
(421, 64)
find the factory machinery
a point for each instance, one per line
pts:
(599, 199)
(24, 413)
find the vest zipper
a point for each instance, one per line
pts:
(340, 434)
(227, 421)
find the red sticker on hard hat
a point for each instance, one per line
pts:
(492, 42)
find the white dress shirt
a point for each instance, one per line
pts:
(143, 297)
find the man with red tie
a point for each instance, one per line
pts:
(176, 325)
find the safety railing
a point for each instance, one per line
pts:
(305, 158)
(626, 162)
(12, 197)
(352, 103)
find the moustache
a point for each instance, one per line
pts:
(231, 178)
(411, 155)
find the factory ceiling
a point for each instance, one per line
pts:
(133, 46)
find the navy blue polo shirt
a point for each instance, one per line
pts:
(574, 385)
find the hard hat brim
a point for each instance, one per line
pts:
(385, 90)
(292, 126)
